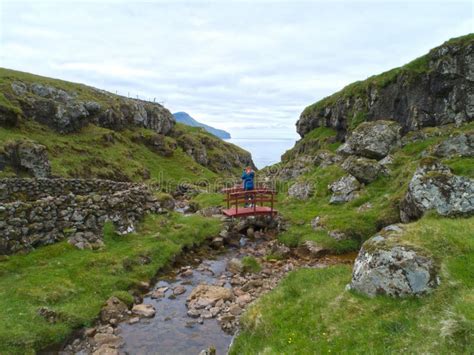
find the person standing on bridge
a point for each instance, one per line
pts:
(247, 177)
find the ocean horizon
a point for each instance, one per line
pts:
(265, 151)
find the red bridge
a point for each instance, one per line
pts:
(240, 203)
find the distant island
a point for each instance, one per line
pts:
(183, 117)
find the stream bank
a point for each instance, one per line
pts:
(197, 304)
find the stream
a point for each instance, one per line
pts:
(173, 330)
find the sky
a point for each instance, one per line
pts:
(249, 67)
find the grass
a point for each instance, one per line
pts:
(210, 199)
(76, 283)
(311, 313)
(251, 264)
(318, 138)
(88, 154)
(119, 155)
(384, 195)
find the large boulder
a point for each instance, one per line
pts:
(458, 145)
(433, 186)
(363, 169)
(209, 294)
(28, 156)
(373, 139)
(385, 266)
(344, 190)
(301, 190)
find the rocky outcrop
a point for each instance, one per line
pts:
(301, 190)
(213, 153)
(459, 145)
(27, 156)
(78, 215)
(384, 266)
(363, 169)
(433, 186)
(433, 90)
(344, 190)
(372, 139)
(67, 111)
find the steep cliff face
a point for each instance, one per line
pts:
(67, 107)
(433, 90)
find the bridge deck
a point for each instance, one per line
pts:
(249, 211)
(237, 200)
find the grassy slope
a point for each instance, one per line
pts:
(311, 313)
(384, 194)
(76, 283)
(84, 92)
(87, 154)
(360, 88)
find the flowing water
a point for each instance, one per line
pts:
(171, 331)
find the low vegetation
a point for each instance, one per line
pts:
(310, 312)
(377, 205)
(75, 283)
(103, 153)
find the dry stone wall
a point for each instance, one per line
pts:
(35, 212)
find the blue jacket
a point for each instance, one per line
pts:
(248, 180)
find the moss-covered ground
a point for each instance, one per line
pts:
(310, 312)
(75, 283)
(354, 218)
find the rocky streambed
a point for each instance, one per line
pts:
(196, 306)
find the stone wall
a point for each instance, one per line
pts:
(45, 211)
(13, 189)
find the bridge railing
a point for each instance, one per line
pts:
(242, 202)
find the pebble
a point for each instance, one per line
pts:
(134, 320)
(179, 290)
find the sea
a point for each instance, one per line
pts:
(265, 151)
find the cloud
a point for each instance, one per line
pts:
(241, 66)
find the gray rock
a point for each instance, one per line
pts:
(113, 309)
(92, 107)
(235, 266)
(19, 88)
(317, 223)
(384, 266)
(301, 190)
(363, 169)
(459, 145)
(280, 250)
(385, 162)
(344, 190)
(373, 139)
(338, 235)
(28, 156)
(312, 249)
(144, 310)
(325, 158)
(433, 186)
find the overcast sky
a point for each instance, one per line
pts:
(245, 66)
